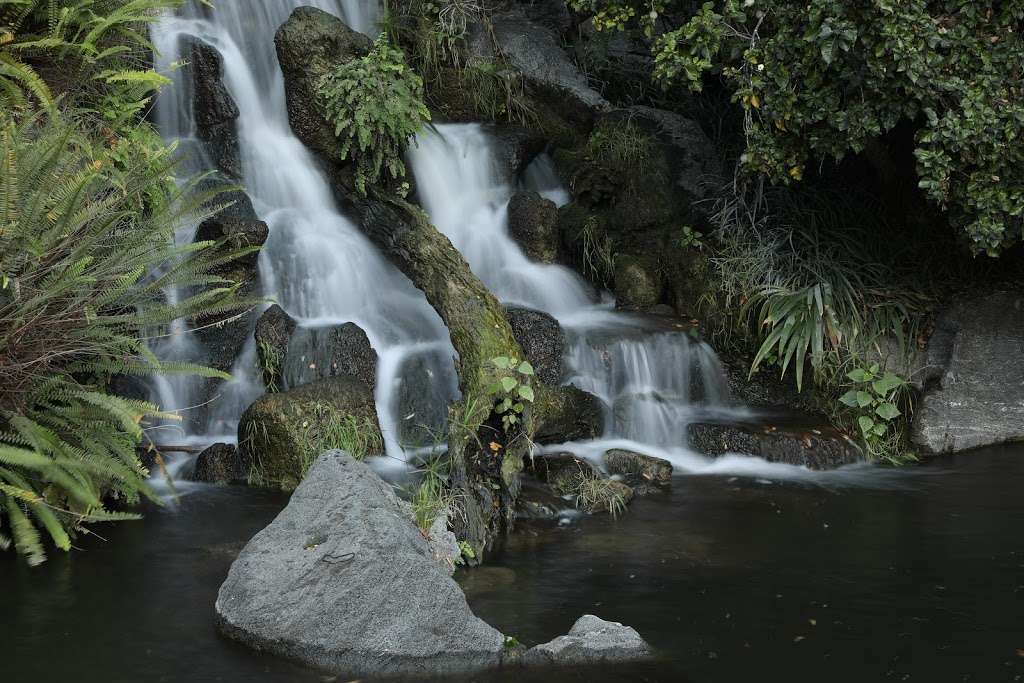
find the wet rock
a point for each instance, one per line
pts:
(273, 333)
(282, 433)
(591, 640)
(542, 340)
(604, 495)
(551, 14)
(575, 415)
(238, 226)
(638, 281)
(309, 44)
(551, 467)
(533, 224)
(344, 581)
(214, 110)
(514, 148)
(536, 52)
(221, 463)
(538, 502)
(428, 385)
(318, 353)
(815, 449)
(638, 469)
(978, 399)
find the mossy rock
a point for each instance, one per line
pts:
(638, 281)
(283, 433)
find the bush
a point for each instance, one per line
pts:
(85, 258)
(376, 106)
(823, 78)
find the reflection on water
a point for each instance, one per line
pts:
(919, 577)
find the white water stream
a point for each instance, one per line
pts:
(323, 271)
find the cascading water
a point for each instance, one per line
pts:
(653, 380)
(315, 264)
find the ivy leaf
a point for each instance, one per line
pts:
(526, 392)
(850, 399)
(886, 384)
(864, 399)
(525, 368)
(859, 375)
(508, 383)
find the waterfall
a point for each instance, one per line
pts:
(652, 379)
(316, 263)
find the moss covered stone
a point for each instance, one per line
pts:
(638, 281)
(283, 433)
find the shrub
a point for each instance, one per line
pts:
(376, 106)
(823, 78)
(85, 259)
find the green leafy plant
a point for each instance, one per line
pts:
(874, 399)
(434, 497)
(597, 253)
(690, 238)
(513, 390)
(466, 553)
(376, 106)
(824, 78)
(270, 360)
(85, 259)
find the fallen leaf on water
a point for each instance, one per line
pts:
(798, 639)
(495, 446)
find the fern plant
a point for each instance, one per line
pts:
(376, 106)
(85, 258)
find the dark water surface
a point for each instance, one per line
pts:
(916, 575)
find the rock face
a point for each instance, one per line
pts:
(591, 640)
(542, 339)
(274, 330)
(537, 53)
(638, 282)
(309, 44)
(515, 147)
(213, 108)
(221, 463)
(343, 580)
(817, 451)
(533, 224)
(282, 433)
(979, 398)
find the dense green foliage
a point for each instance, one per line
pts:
(376, 106)
(823, 78)
(88, 210)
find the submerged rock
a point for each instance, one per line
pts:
(637, 469)
(343, 580)
(533, 224)
(815, 449)
(979, 398)
(221, 463)
(542, 340)
(591, 640)
(282, 433)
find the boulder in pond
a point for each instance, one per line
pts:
(282, 433)
(343, 580)
(816, 449)
(221, 463)
(591, 640)
(542, 341)
(978, 398)
(533, 224)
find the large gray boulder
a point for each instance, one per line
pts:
(589, 641)
(343, 580)
(978, 399)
